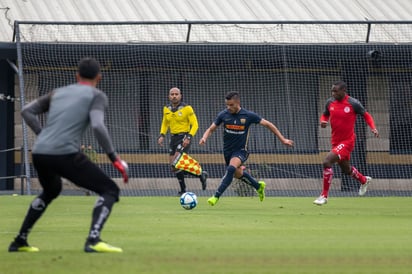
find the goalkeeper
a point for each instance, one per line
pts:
(56, 153)
(181, 119)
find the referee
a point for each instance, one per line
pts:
(181, 119)
(56, 153)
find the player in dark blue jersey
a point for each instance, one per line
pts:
(236, 122)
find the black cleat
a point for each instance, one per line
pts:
(22, 246)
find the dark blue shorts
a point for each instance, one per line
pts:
(241, 154)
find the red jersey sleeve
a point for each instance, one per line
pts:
(369, 120)
(324, 118)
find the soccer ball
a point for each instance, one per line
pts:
(188, 200)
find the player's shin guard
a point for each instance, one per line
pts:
(101, 213)
(357, 175)
(226, 181)
(327, 180)
(248, 179)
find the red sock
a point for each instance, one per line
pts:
(327, 180)
(357, 175)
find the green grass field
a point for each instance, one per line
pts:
(238, 235)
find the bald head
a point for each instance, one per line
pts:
(175, 89)
(175, 96)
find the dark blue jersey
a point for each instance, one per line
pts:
(236, 128)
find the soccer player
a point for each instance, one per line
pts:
(56, 153)
(341, 111)
(181, 119)
(236, 122)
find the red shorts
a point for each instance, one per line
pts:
(343, 150)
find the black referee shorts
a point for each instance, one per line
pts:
(175, 140)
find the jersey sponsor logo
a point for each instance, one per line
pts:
(235, 127)
(234, 132)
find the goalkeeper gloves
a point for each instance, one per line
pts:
(122, 167)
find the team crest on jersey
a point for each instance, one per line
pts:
(179, 113)
(243, 121)
(346, 109)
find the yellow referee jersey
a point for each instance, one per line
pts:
(180, 120)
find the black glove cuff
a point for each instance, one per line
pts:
(112, 156)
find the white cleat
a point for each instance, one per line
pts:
(364, 187)
(321, 200)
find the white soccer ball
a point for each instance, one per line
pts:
(188, 200)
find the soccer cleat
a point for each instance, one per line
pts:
(321, 200)
(22, 246)
(101, 247)
(212, 200)
(203, 179)
(261, 190)
(364, 187)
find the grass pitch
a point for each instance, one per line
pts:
(238, 235)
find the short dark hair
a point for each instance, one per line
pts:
(232, 95)
(341, 84)
(88, 68)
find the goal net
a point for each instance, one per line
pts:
(283, 71)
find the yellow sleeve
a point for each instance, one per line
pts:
(194, 126)
(165, 124)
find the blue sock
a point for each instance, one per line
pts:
(226, 180)
(248, 179)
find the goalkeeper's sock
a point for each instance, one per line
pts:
(226, 181)
(327, 180)
(248, 179)
(36, 210)
(101, 213)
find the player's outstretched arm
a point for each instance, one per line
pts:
(207, 133)
(276, 131)
(371, 123)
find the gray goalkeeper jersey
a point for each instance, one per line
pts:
(70, 111)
